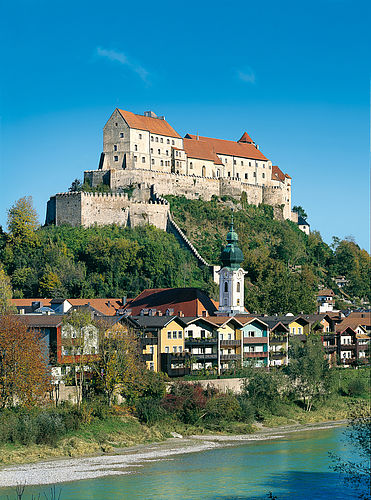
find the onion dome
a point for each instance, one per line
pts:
(232, 255)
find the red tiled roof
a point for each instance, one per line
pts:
(246, 138)
(107, 307)
(231, 148)
(326, 292)
(201, 150)
(277, 174)
(154, 125)
(186, 301)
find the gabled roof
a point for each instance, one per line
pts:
(107, 307)
(153, 125)
(40, 320)
(155, 321)
(302, 221)
(201, 150)
(231, 148)
(183, 301)
(246, 138)
(326, 292)
(245, 320)
(223, 320)
(277, 174)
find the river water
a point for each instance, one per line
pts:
(293, 467)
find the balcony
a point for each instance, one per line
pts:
(204, 356)
(229, 357)
(255, 340)
(148, 341)
(234, 342)
(278, 340)
(347, 347)
(255, 354)
(275, 355)
(147, 357)
(202, 341)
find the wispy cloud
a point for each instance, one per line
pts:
(121, 58)
(247, 75)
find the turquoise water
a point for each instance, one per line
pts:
(294, 467)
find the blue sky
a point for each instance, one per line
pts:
(294, 75)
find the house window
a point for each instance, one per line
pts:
(92, 350)
(135, 147)
(226, 286)
(140, 136)
(173, 142)
(116, 158)
(121, 135)
(180, 348)
(221, 336)
(300, 330)
(229, 336)
(151, 349)
(115, 147)
(169, 335)
(167, 152)
(167, 349)
(174, 348)
(190, 333)
(143, 159)
(180, 335)
(246, 176)
(176, 153)
(174, 335)
(152, 366)
(226, 160)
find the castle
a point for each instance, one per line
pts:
(144, 158)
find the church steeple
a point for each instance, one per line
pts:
(231, 282)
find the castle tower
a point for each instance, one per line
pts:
(231, 284)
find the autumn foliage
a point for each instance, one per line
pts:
(24, 373)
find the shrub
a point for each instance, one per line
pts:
(356, 387)
(247, 410)
(49, 427)
(223, 407)
(149, 410)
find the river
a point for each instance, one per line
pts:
(295, 466)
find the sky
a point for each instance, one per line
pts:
(294, 75)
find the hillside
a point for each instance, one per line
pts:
(111, 261)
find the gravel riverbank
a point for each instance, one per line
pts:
(129, 460)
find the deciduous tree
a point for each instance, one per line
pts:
(23, 222)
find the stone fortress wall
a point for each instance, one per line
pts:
(87, 209)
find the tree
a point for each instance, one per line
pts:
(75, 186)
(357, 472)
(300, 211)
(309, 370)
(23, 222)
(5, 293)
(24, 373)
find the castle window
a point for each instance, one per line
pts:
(161, 140)
(234, 162)
(140, 136)
(270, 167)
(135, 158)
(241, 163)
(226, 160)
(152, 138)
(116, 124)
(167, 152)
(143, 159)
(254, 174)
(237, 175)
(121, 135)
(159, 151)
(162, 163)
(176, 153)
(263, 175)
(191, 165)
(115, 147)
(249, 163)
(229, 174)
(153, 161)
(168, 141)
(238, 287)
(151, 150)
(226, 286)
(156, 139)
(263, 165)
(177, 163)
(173, 142)
(135, 147)
(116, 158)
(246, 176)
(238, 302)
(180, 154)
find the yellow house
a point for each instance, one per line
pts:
(229, 334)
(162, 343)
(299, 326)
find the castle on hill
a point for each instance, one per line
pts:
(144, 156)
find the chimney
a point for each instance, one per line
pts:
(150, 114)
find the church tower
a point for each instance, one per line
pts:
(231, 283)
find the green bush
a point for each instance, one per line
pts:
(357, 387)
(149, 411)
(223, 407)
